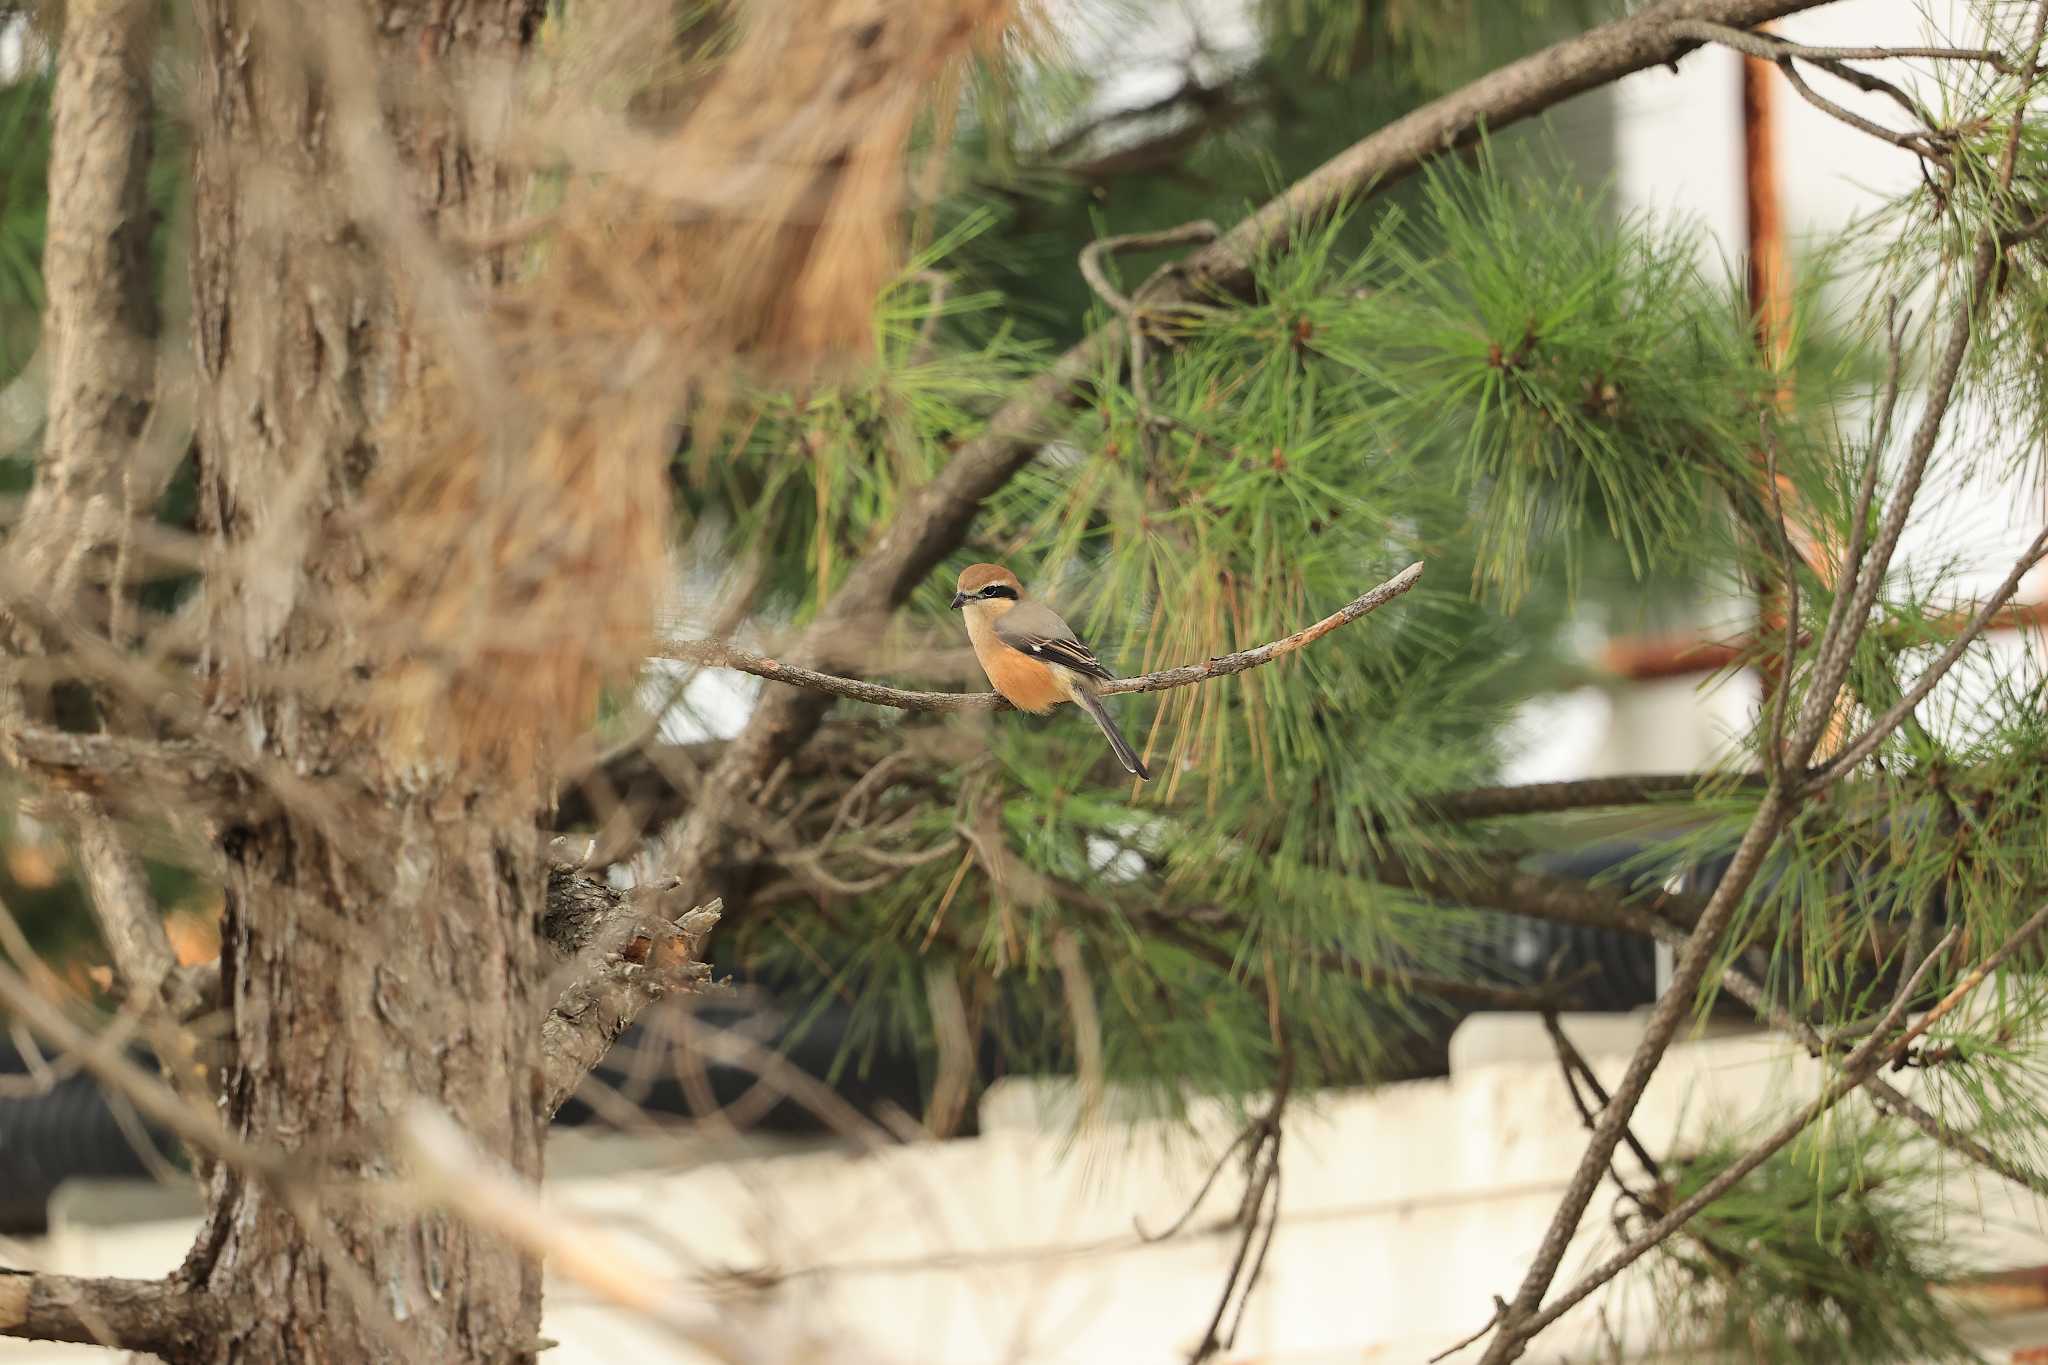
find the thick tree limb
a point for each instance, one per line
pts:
(101, 324)
(101, 313)
(720, 655)
(101, 763)
(624, 951)
(154, 1316)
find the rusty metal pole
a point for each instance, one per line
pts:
(1770, 300)
(1770, 311)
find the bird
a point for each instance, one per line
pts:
(1031, 656)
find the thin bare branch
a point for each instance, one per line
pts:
(1874, 1053)
(1574, 1063)
(1769, 47)
(720, 655)
(1187, 234)
(1262, 1189)
(102, 1057)
(445, 1169)
(1917, 143)
(1880, 729)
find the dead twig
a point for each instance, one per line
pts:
(1256, 1223)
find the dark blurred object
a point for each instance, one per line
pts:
(70, 1131)
(66, 1132)
(649, 1064)
(1520, 949)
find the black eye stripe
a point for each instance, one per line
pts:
(998, 590)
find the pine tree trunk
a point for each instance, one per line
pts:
(362, 973)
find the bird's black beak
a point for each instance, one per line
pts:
(959, 600)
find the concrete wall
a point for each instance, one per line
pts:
(1404, 1212)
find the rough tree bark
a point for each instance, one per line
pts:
(355, 985)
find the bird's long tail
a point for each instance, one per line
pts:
(1125, 754)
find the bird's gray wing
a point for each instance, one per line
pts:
(1037, 630)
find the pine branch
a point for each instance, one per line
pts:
(1875, 1052)
(720, 655)
(1182, 932)
(934, 519)
(1886, 1097)
(1848, 618)
(153, 1316)
(1900, 711)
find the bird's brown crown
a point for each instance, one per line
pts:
(975, 577)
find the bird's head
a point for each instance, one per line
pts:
(986, 585)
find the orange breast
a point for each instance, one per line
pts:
(1024, 682)
(1027, 684)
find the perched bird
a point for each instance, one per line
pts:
(1033, 657)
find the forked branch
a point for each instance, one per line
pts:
(1881, 1048)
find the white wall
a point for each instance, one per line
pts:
(1405, 1211)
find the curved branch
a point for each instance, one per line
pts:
(716, 654)
(153, 1316)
